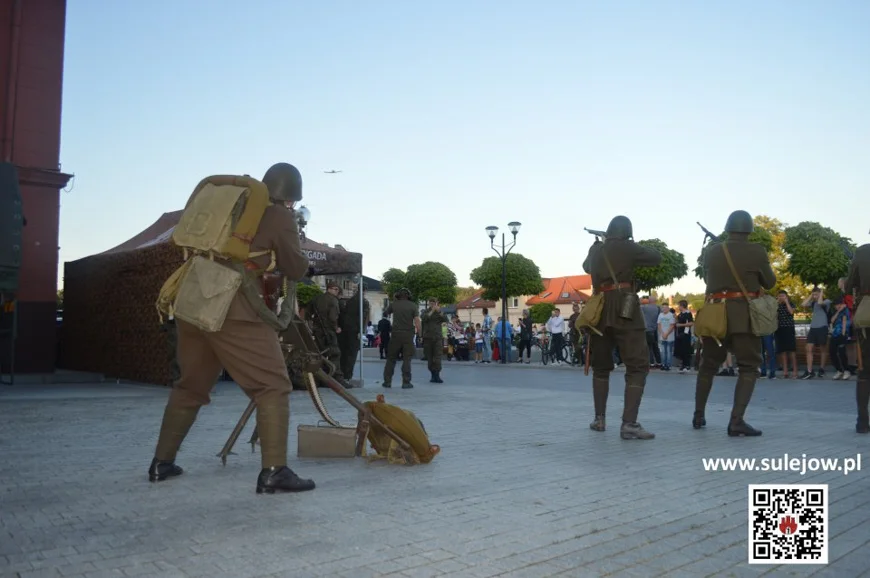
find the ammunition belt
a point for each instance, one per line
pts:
(714, 297)
(604, 287)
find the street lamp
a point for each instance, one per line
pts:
(514, 227)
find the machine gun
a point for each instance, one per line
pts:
(708, 234)
(301, 353)
(598, 234)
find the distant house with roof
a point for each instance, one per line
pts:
(471, 309)
(563, 292)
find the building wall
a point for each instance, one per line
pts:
(31, 62)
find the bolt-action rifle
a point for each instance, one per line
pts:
(708, 233)
(598, 234)
(588, 357)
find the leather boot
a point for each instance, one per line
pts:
(598, 423)
(600, 392)
(160, 471)
(739, 428)
(862, 397)
(432, 378)
(634, 431)
(634, 386)
(407, 385)
(282, 479)
(438, 377)
(273, 425)
(742, 396)
(177, 422)
(703, 386)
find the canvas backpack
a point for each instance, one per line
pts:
(219, 222)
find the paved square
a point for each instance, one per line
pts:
(521, 488)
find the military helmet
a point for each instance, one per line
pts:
(619, 228)
(404, 292)
(739, 222)
(284, 182)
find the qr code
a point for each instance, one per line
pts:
(788, 524)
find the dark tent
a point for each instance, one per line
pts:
(111, 325)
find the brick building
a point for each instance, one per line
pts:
(31, 66)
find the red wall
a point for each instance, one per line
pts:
(31, 62)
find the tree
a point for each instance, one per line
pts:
(672, 267)
(785, 281)
(463, 293)
(522, 277)
(305, 293)
(816, 254)
(60, 298)
(392, 280)
(431, 279)
(540, 312)
(760, 235)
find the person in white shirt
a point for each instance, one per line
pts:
(666, 325)
(478, 344)
(557, 329)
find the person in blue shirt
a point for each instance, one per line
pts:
(841, 321)
(504, 345)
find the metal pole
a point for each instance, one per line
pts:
(362, 329)
(503, 299)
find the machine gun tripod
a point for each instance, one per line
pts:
(300, 351)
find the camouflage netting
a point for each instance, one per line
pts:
(110, 323)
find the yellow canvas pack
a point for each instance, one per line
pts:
(712, 321)
(406, 425)
(590, 314)
(220, 218)
(862, 314)
(207, 223)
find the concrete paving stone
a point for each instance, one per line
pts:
(541, 570)
(40, 573)
(77, 569)
(521, 481)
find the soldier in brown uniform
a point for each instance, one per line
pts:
(323, 311)
(573, 332)
(406, 318)
(248, 348)
(753, 266)
(433, 338)
(858, 280)
(621, 323)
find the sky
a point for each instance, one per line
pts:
(446, 117)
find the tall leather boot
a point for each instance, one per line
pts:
(703, 386)
(600, 392)
(631, 430)
(438, 377)
(177, 422)
(273, 424)
(737, 427)
(862, 396)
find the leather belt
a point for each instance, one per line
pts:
(611, 287)
(729, 295)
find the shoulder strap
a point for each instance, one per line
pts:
(734, 271)
(610, 269)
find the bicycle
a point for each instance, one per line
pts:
(548, 355)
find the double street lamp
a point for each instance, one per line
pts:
(514, 227)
